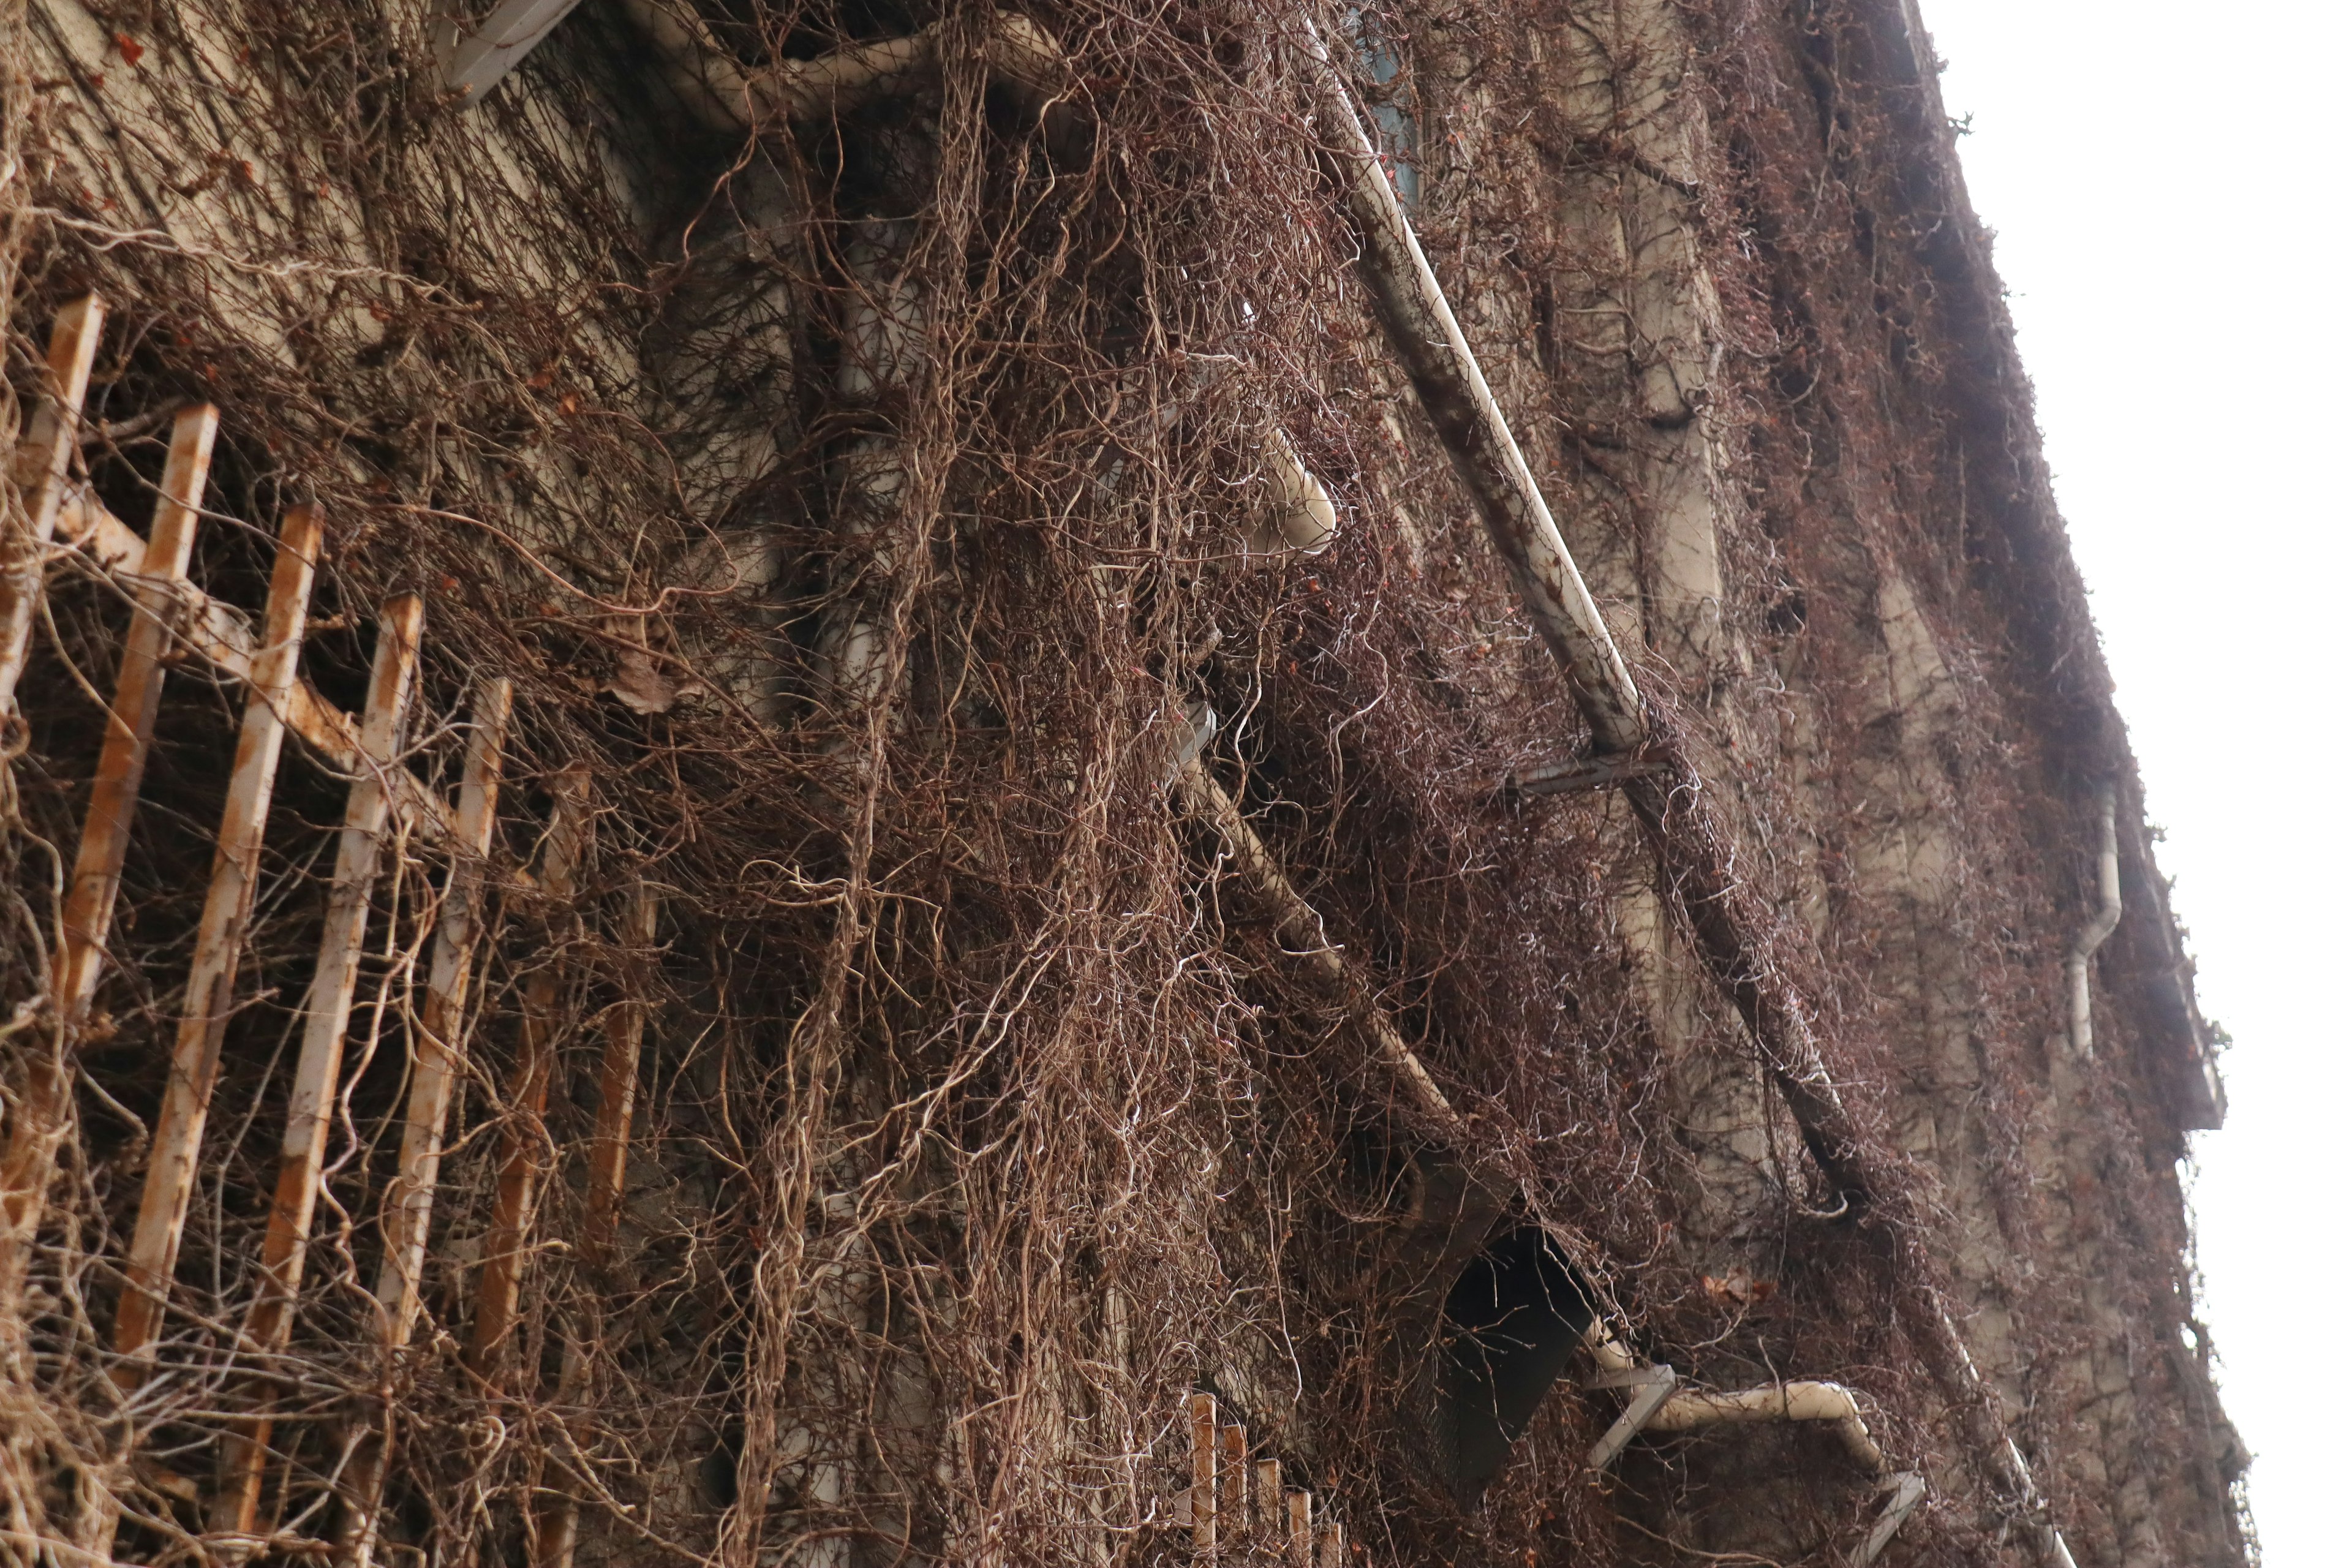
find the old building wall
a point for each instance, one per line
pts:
(869, 491)
(1887, 748)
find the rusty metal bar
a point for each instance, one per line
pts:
(220, 942)
(216, 632)
(440, 1050)
(139, 688)
(625, 1034)
(558, 1532)
(523, 1148)
(439, 1056)
(1232, 1481)
(44, 458)
(1299, 1520)
(1202, 1408)
(41, 1114)
(319, 1069)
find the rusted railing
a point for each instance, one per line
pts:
(1238, 1507)
(173, 619)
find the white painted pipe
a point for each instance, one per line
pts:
(2026, 1497)
(1302, 931)
(1437, 358)
(1688, 1409)
(475, 58)
(1655, 1403)
(706, 77)
(1020, 55)
(1612, 1357)
(2087, 942)
(2053, 1544)
(2094, 932)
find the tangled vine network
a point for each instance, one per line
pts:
(880, 504)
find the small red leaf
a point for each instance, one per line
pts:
(129, 47)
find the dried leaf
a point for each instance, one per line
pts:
(643, 689)
(1739, 1288)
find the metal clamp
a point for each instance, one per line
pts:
(1653, 1385)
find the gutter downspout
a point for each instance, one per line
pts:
(2027, 1497)
(2095, 930)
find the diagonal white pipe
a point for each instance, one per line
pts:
(1487, 455)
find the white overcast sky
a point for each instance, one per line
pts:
(2169, 190)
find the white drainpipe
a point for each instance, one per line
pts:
(1305, 519)
(1655, 1404)
(1807, 1400)
(2094, 932)
(1437, 358)
(1688, 1409)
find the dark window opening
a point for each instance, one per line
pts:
(1512, 1322)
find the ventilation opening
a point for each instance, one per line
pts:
(1512, 1322)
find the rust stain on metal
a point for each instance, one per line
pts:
(216, 632)
(43, 461)
(625, 1033)
(96, 876)
(524, 1151)
(319, 1067)
(440, 1051)
(1201, 1411)
(439, 1059)
(220, 942)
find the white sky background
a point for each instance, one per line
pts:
(2170, 193)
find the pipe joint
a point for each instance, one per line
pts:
(2095, 930)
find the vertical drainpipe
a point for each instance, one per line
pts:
(2094, 932)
